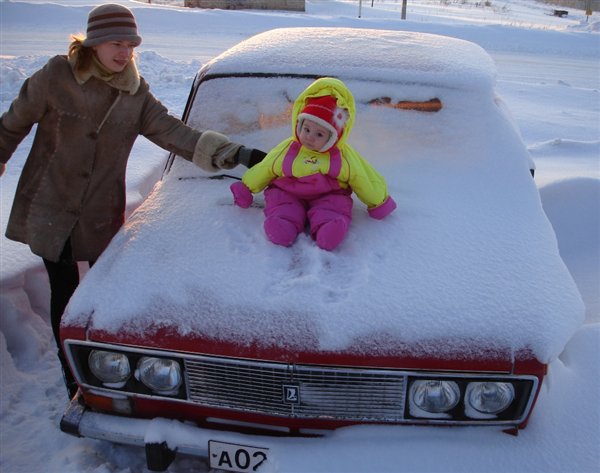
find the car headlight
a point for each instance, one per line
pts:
(109, 367)
(434, 395)
(490, 397)
(161, 375)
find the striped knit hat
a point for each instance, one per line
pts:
(111, 22)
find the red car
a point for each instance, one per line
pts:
(192, 333)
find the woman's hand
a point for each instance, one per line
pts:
(215, 151)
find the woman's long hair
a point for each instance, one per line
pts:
(83, 55)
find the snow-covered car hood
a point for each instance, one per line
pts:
(467, 263)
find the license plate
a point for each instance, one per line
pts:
(238, 458)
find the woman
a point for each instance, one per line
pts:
(89, 107)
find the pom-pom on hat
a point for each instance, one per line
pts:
(325, 111)
(111, 22)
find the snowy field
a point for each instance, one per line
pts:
(549, 75)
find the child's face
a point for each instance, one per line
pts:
(312, 135)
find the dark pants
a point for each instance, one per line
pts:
(64, 279)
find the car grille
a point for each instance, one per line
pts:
(301, 391)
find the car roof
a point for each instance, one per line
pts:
(397, 56)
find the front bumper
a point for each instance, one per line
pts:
(162, 438)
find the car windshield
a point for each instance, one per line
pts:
(256, 111)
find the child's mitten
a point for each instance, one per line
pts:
(383, 210)
(242, 197)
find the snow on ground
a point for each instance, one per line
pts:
(548, 76)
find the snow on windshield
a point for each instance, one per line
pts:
(467, 259)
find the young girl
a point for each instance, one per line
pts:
(311, 175)
(89, 106)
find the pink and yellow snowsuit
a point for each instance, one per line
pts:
(303, 184)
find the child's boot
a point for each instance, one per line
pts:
(280, 231)
(330, 234)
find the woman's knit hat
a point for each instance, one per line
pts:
(110, 22)
(325, 111)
